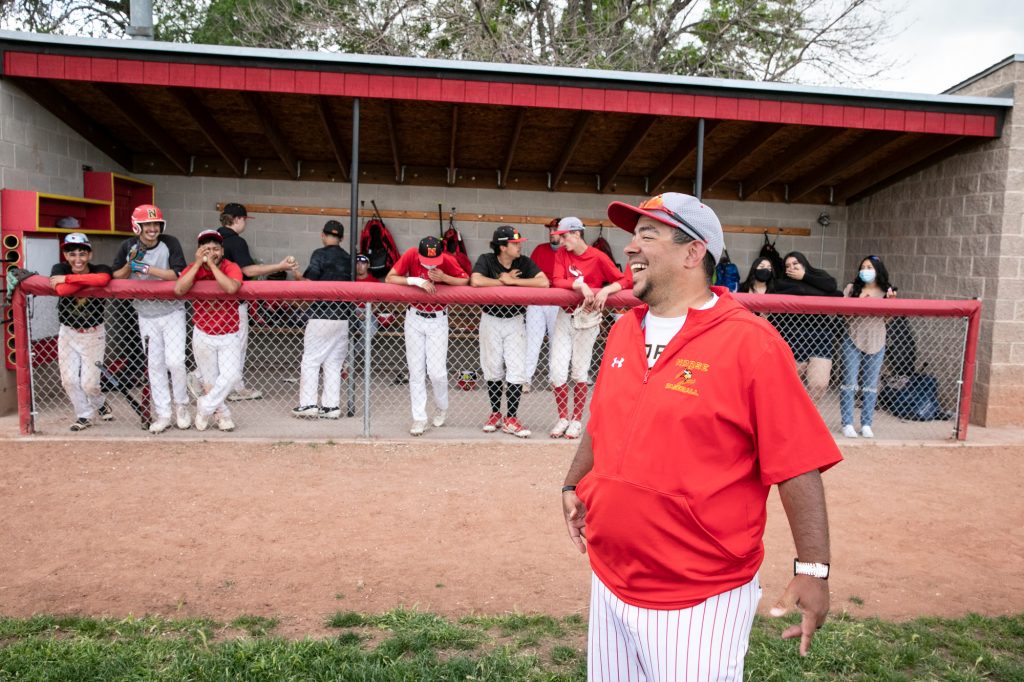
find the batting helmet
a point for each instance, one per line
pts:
(147, 213)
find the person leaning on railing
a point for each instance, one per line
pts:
(81, 340)
(811, 337)
(864, 344)
(152, 255)
(216, 332)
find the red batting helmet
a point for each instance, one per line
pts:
(147, 213)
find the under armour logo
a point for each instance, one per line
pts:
(617, 362)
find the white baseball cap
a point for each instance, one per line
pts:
(569, 224)
(76, 240)
(680, 211)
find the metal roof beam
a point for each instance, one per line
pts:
(675, 159)
(389, 113)
(739, 153)
(575, 137)
(451, 152)
(61, 107)
(122, 101)
(211, 129)
(847, 157)
(261, 110)
(510, 153)
(323, 107)
(904, 158)
(629, 145)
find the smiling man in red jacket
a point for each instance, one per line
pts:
(697, 412)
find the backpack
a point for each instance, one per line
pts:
(379, 246)
(727, 274)
(602, 245)
(769, 251)
(454, 245)
(916, 398)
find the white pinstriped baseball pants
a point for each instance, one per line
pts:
(77, 353)
(540, 320)
(706, 642)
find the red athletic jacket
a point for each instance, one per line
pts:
(686, 452)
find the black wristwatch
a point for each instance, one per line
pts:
(815, 570)
(568, 488)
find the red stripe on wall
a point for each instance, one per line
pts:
(638, 102)
(257, 79)
(499, 93)
(181, 75)
(51, 66)
(661, 104)
(104, 70)
(21, 64)
(453, 90)
(232, 78)
(524, 95)
(156, 73)
(727, 108)
(307, 82)
(207, 76)
(955, 124)
(78, 68)
(130, 71)
(874, 118)
(282, 80)
(682, 105)
(477, 92)
(792, 113)
(332, 83)
(357, 84)
(704, 106)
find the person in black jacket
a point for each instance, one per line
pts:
(325, 343)
(811, 337)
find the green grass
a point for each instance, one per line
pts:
(413, 645)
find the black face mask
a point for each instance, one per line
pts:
(762, 275)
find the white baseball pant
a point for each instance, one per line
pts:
(704, 642)
(164, 338)
(540, 320)
(219, 360)
(571, 345)
(426, 351)
(324, 344)
(243, 333)
(77, 353)
(502, 348)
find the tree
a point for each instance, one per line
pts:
(831, 41)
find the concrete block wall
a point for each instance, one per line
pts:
(956, 230)
(189, 205)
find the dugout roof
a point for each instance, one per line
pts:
(161, 108)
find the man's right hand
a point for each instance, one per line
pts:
(575, 513)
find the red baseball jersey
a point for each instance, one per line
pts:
(686, 452)
(544, 257)
(596, 268)
(409, 266)
(216, 317)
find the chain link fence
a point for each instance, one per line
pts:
(286, 373)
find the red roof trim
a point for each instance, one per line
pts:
(262, 79)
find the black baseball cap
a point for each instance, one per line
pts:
(334, 228)
(431, 251)
(236, 210)
(507, 234)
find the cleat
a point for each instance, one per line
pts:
(849, 431)
(245, 394)
(184, 419)
(527, 387)
(160, 425)
(513, 426)
(330, 412)
(106, 414)
(558, 430)
(866, 431)
(80, 424)
(306, 411)
(494, 423)
(440, 418)
(202, 421)
(574, 430)
(225, 424)
(418, 428)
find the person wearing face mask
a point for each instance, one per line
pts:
(864, 347)
(760, 279)
(809, 336)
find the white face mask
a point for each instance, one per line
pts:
(867, 276)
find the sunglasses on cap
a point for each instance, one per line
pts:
(658, 204)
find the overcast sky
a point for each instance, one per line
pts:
(947, 41)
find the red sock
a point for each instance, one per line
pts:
(579, 399)
(562, 400)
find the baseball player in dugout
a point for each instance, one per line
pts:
(540, 319)
(81, 340)
(325, 342)
(503, 327)
(232, 224)
(590, 272)
(216, 332)
(152, 255)
(667, 491)
(426, 327)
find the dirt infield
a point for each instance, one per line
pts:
(299, 531)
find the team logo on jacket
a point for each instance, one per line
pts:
(686, 378)
(617, 362)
